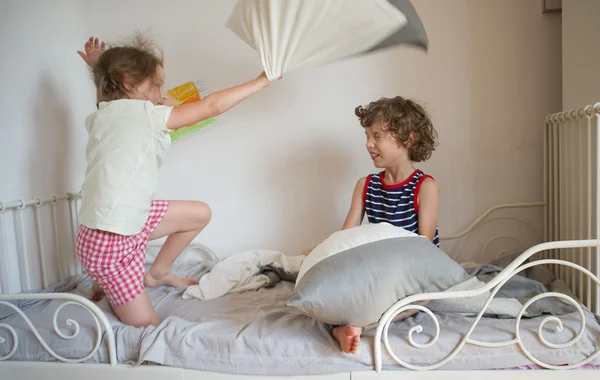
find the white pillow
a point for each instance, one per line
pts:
(355, 275)
(293, 34)
(344, 240)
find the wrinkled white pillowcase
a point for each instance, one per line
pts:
(293, 34)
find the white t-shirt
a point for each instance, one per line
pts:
(127, 143)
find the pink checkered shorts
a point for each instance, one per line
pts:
(116, 262)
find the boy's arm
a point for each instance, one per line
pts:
(357, 207)
(215, 103)
(428, 202)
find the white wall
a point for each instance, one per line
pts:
(581, 57)
(45, 97)
(279, 170)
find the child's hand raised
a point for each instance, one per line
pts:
(93, 51)
(263, 77)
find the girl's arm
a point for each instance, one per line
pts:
(357, 207)
(428, 201)
(215, 103)
(93, 49)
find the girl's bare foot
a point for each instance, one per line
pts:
(97, 292)
(348, 337)
(93, 51)
(154, 279)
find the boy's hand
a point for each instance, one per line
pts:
(93, 51)
(307, 252)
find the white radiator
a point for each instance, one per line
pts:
(571, 194)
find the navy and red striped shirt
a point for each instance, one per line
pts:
(395, 204)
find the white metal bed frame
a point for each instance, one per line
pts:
(75, 368)
(71, 368)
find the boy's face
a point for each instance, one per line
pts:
(384, 149)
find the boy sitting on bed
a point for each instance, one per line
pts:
(399, 132)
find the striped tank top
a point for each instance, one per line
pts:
(395, 204)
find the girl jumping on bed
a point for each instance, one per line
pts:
(128, 139)
(399, 132)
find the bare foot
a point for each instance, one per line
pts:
(348, 337)
(97, 292)
(153, 279)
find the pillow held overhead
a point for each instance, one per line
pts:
(292, 34)
(412, 33)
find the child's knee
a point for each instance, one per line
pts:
(202, 214)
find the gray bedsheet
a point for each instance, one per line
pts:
(256, 333)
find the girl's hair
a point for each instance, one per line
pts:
(135, 62)
(402, 117)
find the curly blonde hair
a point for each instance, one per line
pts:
(134, 61)
(402, 118)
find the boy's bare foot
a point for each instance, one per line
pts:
(97, 292)
(348, 337)
(93, 50)
(153, 279)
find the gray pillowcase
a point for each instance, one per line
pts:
(412, 33)
(355, 287)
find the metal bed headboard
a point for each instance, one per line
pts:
(51, 214)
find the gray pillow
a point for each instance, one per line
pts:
(412, 33)
(356, 286)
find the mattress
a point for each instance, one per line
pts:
(255, 333)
